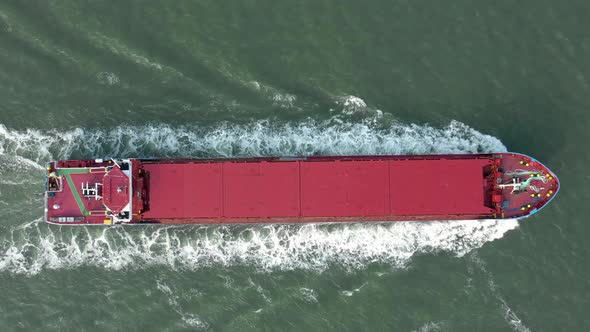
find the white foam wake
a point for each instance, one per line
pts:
(260, 138)
(33, 247)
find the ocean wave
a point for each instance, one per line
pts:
(33, 247)
(509, 315)
(259, 138)
(352, 104)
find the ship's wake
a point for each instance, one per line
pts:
(32, 247)
(259, 138)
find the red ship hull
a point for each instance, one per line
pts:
(302, 189)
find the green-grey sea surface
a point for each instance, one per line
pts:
(91, 79)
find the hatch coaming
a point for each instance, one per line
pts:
(433, 187)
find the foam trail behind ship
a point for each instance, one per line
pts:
(31, 247)
(35, 247)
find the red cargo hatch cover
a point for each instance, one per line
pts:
(354, 188)
(115, 188)
(437, 187)
(344, 188)
(261, 189)
(184, 190)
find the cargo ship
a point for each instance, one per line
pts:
(296, 189)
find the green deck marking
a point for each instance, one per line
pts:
(61, 171)
(75, 192)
